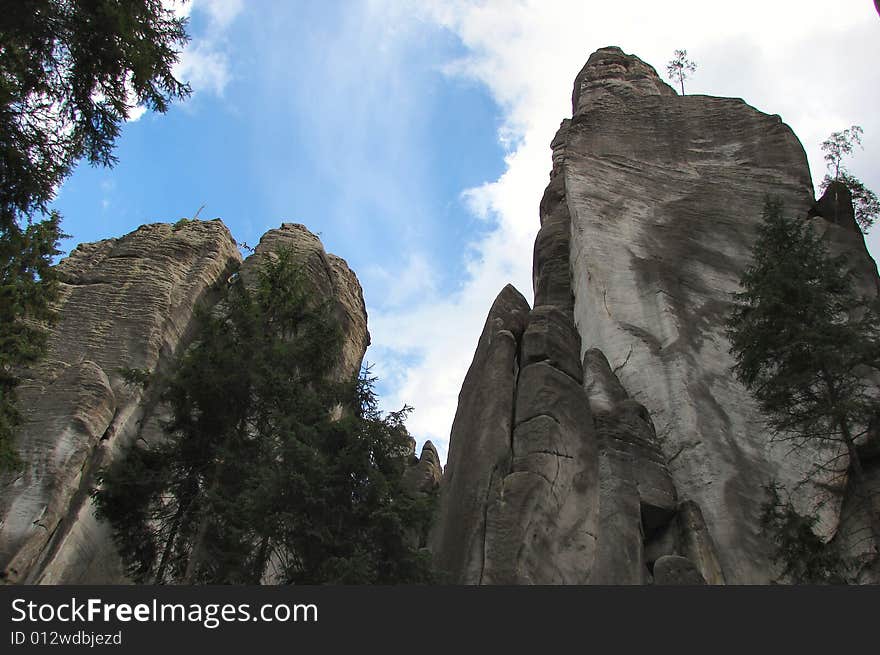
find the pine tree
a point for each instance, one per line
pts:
(70, 74)
(803, 556)
(27, 285)
(804, 341)
(262, 477)
(680, 68)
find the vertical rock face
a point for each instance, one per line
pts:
(478, 459)
(128, 303)
(519, 496)
(665, 194)
(634, 456)
(423, 474)
(637, 498)
(125, 303)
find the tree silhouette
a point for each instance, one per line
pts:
(680, 68)
(836, 147)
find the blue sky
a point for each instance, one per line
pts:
(414, 138)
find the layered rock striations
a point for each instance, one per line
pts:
(666, 193)
(601, 437)
(125, 303)
(128, 303)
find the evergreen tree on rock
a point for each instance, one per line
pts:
(807, 346)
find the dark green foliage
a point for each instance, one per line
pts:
(802, 336)
(804, 340)
(804, 557)
(27, 286)
(135, 377)
(865, 202)
(70, 73)
(271, 471)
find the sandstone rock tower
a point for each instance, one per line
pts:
(127, 303)
(600, 436)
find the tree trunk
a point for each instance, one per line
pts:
(169, 543)
(261, 560)
(198, 551)
(861, 483)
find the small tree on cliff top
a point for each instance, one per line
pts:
(680, 68)
(803, 341)
(836, 147)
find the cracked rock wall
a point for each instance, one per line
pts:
(601, 437)
(519, 495)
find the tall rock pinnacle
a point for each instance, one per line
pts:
(646, 227)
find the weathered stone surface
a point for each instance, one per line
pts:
(552, 338)
(424, 476)
(647, 224)
(836, 207)
(696, 543)
(519, 500)
(330, 279)
(551, 276)
(541, 520)
(676, 570)
(603, 389)
(637, 498)
(611, 77)
(545, 390)
(541, 527)
(665, 194)
(125, 303)
(479, 448)
(128, 303)
(620, 555)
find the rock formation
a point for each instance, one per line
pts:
(601, 436)
(127, 303)
(328, 277)
(519, 502)
(423, 474)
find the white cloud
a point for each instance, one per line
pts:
(812, 66)
(204, 68)
(136, 112)
(415, 283)
(222, 12)
(204, 62)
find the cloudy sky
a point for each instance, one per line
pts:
(414, 138)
